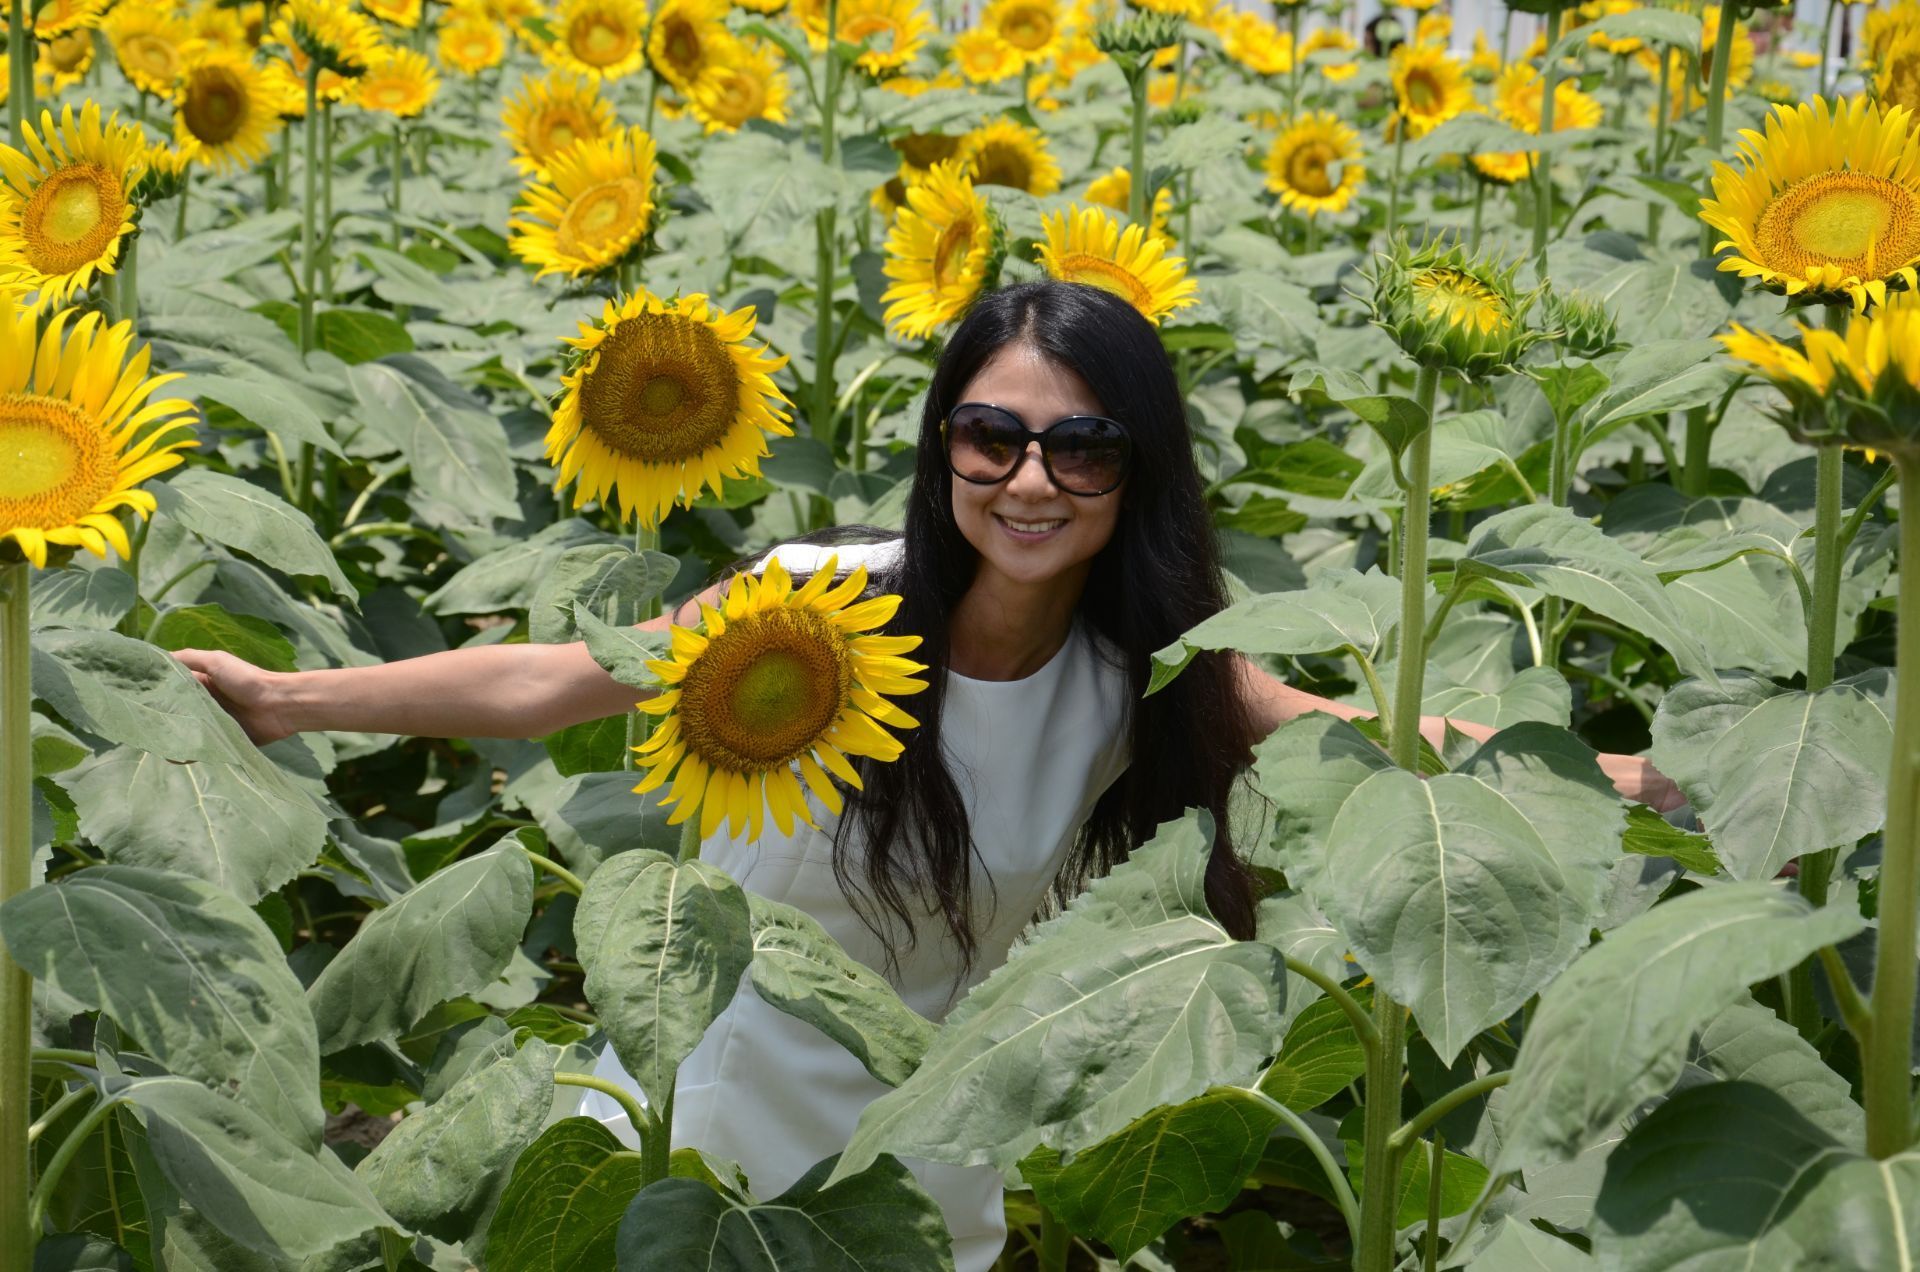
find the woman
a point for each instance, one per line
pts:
(1057, 534)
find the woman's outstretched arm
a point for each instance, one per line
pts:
(495, 691)
(1273, 702)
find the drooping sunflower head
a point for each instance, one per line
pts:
(688, 36)
(78, 433)
(943, 250)
(1315, 165)
(66, 58)
(1826, 202)
(166, 174)
(1885, 24)
(603, 39)
(66, 202)
(330, 33)
(1032, 27)
(1089, 246)
(404, 14)
(549, 115)
(983, 57)
(594, 209)
(1860, 388)
(748, 85)
(893, 31)
(1008, 153)
(1430, 87)
(1115, 190)
(667, 398)
(224, 110)
(150, 45)
(1450, 310)
(780, 688)
(399, 82)
(470, 41)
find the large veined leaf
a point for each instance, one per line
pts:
(1614, 1030)
(1657, 377)
(1340, 607)
(1537, 694)
(1184, 1160)
(664, 945)
(879, 1220)
(1308, 768)
(1520, 1247)
(129, 692)
(189, 973)
(1461, 1178)
(803, 971)
(1731, 1177)
(1466, 893)
(1762, 765)
(1559, 553)
(80, 597)
(457, 451)
(1134, 998)
(1747, 1042)
(99, 1191)
(437, 1167)
(1322, 1054)
(247, 637)
(610, 580)
(270, 1194)
(240, 515)
(507, 578)
(451, 935)
(564, 1201)
(247, 830)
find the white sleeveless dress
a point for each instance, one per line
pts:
(1030, 758)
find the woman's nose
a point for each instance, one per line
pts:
(1030, 480)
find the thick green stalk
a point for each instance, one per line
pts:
(309, 239)
(1479, 206)
(1056, 1242)
(1137, 198)
(639, 723)
(326, 198)
(129, 289)
(19, 71)
(1717, 99)
(1393, 183)
(1386, 1063)
(16, 876)
(1657, 160)
(1543, 168)
(1826, 44)
(1698, 464)
(1297, 64)
(826, 262)
(1887, 1080)
(398, 176)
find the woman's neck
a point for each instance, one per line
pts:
(1005, 629)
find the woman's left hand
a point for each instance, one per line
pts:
(1636, 779)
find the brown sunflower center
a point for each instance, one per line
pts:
(923, 150)
(556, 131)
(1307, 168)
(56, 463)
(682, 45)
(602, 214)
(1027, 28)
(70, 52)
(739, 97)
(1862, 224)
(950, 253)
(151, 55)
(1002, 165)
(1424, 93)
(1079, 267)
(765, 691)
(663, 389)
(600, 39)
(73, 218)
(216, 105)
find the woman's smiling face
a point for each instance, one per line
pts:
(1026, 528)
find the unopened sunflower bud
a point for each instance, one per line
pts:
(1451, 310)
(1580, 324)
(1140, 36)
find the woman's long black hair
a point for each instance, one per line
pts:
(1157, 577)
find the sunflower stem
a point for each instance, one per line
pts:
(1138, 198)
(1657, 160)
(398, 176)
(1826, 44)
(1295, 61)
(826, 263)
(690, 839)
(1479, 206)
(128, 308)
(1386, 1062)
(1393, 182)
(1698, 464)
(1543, 169)
(19, 71)
(326, 199)
(1887, 1078)
(180, 205)
(309, 246)
(1717, 98)
(16, 876)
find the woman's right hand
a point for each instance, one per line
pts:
(244, 690)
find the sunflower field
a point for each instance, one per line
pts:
(1561, 376)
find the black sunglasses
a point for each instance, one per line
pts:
(1082, 454)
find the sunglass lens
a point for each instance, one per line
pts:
(1088, 454)
(983, 444)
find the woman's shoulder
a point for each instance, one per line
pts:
(802, 559)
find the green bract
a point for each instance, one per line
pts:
(1450, 310)
(1581, 325)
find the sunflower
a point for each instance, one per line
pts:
(1433, 28)
(149, 44)
(398, 82)
(1340, 67)
(66, 58)
(668, 397)
(1452, 310)
(1827, 202)
(551, 114)
(1883, 26)
(749, 85)
(605, 39)
(1518, 97)
(983, 57)
(1314, 166)
(893, 31)
(65, 204)
(77, 432)
(1430, 87)
(1896, 81)
(1595, 10)
(781, 686)
(339, 39)
(762, 7)
(1115, 190)
(1007, 153)
(1088, 246)
(1032, 27)
(1258, 44)
(940, 252)
(1684, 93)
(470, 41)
(224, 111)
(401, 13)
(61, 16)
(1860, 388)
(166, 174)
(593, 208)
(216, 24)
(688, 35)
